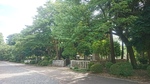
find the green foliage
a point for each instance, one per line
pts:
(43, 63)
(5, 52)
(140, 37)
(108, 65)
(90, 64)
(96, 68)
(121, 69)
(142, 66)
(50, 61)
(123, 21)
(3, 49)
(12, 60)
(70, 26)
(117, 49)
(69, 51)
(12, 39)
(148, 70)
(143, 60)
(76, 68)
(1, 39)
(101, 47)
(33, 62)
(84, 47)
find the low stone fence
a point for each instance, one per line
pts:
(82, 64)
(27, 61)
(60, 63)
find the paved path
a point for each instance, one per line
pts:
(15, 73)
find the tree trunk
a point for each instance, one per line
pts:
(57, 53)
(112, 48)
(60, 50)
(122, 53)
(129, 50)
(48, 51)
(132, 58)
(97, 58)
(127, 56)
(57, 50)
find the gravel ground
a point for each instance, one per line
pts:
(15, 73)
(12, 73)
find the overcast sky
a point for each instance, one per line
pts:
(15, 14)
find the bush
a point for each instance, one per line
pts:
(148, 70)
(33, 62)
(43, 63)
(142, 66)
(143, 60)
(51, 61)
(76, 68)
(12, 60)
(121, 68)
(96, 68)
(108, 65)
(90, 64)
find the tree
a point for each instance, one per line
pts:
(141, 31)
(4, 49)
(102, 48)
(122, 21)
(104, 16)
(68, 27)
(37, 37)
(1, 39)
(71, 27)
(11, 39)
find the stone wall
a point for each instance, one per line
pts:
(27, 61)
(82, 64)
(60, 63)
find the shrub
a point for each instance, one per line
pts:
(121, 68)
(33, 62)
(43, 63)
(148, 70)
(76, 67)
(50, 61)
(12, 60)
(143, 60)
(90, 64)
(96, 68)
(108, 65)
(142, 66)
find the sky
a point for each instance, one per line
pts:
(15, 14)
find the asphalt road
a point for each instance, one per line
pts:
(15, 73)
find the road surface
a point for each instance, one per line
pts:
(16, 73)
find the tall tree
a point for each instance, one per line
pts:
(1, 39)
(122, 21)
(72, 24)
(104, 16)
(141, 31)
(12, 39)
